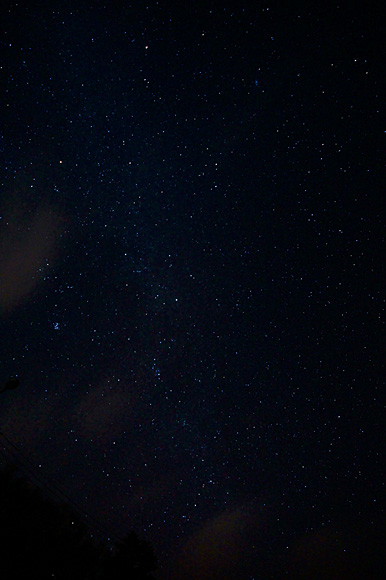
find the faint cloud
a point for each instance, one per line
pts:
(216, 549)
(104, 409)
(345, 549)
(29, 239)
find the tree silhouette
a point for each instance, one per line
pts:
(47, 539)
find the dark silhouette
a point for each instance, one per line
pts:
(11, 383)
(47, 540)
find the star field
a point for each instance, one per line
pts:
(190, 273)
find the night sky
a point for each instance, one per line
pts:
(190, 275)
